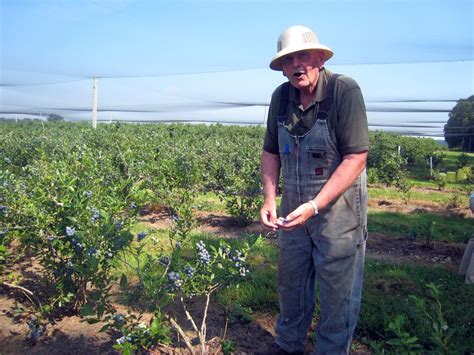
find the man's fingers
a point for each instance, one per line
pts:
(267, 220)
(292, 216)
(298, 217)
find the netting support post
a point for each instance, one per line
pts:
(94, 102)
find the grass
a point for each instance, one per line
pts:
(385, 296)
(387, 287)
(448, 229)
(430, 184)
(210, 202)
(259, 291)
(420, 175)
(440, 197)
(390, 193)
(450, 162)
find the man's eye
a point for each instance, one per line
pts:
(303, 56)
(287, 60)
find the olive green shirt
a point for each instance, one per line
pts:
(347, 118)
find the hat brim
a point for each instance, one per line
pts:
(275, 64)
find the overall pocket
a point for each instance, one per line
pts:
(317, 162)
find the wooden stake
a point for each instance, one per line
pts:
(94, 102)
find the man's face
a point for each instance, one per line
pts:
(302, 69)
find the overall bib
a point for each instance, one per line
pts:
(329, 249)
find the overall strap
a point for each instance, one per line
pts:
(325, 105)
(284, 99)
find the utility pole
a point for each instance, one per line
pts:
(94, 102)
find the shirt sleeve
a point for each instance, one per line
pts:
(270, 143)
(352, 128)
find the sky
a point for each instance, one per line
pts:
(207, 61)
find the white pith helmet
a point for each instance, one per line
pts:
(294, 39)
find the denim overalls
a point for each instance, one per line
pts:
(329, 248)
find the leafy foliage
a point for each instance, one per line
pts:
(71, 195)
(459, 130)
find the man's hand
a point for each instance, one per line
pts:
(296, 218)
(270, 170)
(268, 216)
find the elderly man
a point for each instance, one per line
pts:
(317, 136)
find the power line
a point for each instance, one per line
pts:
(43, 84)
(222, 71)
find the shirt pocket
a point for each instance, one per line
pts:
(317, 162)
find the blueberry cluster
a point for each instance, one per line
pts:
(95, 215)
(239, 263)
(144, 328)
(120, 242)
(92, 251)
(140, 236)
(189, 271)
(243, 271)
(36, 329)
(175, 280)
(123, 339)
(3, 232)
(3, 209)
(204, 257)
(70, 231)
(225, 250)
(76, 244)
(238, 258)
(118, 318)
(164, 260)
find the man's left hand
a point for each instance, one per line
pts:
(296, 218)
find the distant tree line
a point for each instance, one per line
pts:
(54, 117)
(459, 130)
(50, 118)
(25, 119)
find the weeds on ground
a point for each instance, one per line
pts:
(439, 324)
(449, 229)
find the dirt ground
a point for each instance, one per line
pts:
(69, 335)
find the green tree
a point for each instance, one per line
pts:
(459, 130)
(54, 117)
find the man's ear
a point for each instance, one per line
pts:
(321, 59)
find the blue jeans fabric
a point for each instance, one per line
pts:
(327, 252)
(301, 267)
